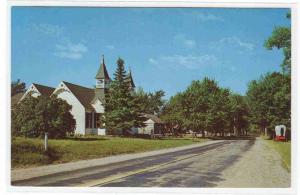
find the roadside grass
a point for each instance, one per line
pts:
(29, 152)
(284, 149)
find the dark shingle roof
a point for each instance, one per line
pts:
(15, 99)
(44, 90)
(153, 118)
(83, 94)
(102, 72)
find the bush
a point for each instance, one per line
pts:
(33, 117)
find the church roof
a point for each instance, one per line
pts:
(83, 94)
(44, 90)
(102, 72)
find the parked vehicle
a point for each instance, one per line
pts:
(280, 133)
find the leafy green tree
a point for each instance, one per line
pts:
(199, 99)
(239, 114)
(33, 117)
(203, 106)
(281, 39)
(270, 101)
(17, 87)
(121, 108)
(220, 111)
(150, 102)
(173, 111)
(24, 118)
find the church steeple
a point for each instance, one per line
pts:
(102, 72)
(102, 77)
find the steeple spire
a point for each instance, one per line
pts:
(102, 72)
(103, 59)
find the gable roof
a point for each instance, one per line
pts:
(83, 94)
(102, 72)
(153, 118)
(97, 97)
(44, 90)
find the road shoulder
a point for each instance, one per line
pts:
(258, 167)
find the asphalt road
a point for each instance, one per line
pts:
(197, 167)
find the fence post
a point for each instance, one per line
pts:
(46, 141)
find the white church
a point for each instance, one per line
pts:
(87, 103)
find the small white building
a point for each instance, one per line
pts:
(87, 103)
(154, 126)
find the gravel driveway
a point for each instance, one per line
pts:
(259, 167)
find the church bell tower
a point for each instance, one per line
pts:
(102, 80)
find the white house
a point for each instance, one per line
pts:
(87, 103)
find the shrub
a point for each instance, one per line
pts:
(33, 117)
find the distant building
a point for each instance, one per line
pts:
(87, 103)
(154, 125)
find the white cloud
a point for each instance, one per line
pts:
(152, 61)
(110, 47)
(181, 39)
(48, 29)
(233, 41)
(70, 50)
(188, 61)
(207, 17)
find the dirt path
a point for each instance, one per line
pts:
(258, 168)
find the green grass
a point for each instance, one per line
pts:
(284, 149)
(29, 152)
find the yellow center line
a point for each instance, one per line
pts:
(103, 181)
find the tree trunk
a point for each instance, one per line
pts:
(203, 133)
(266, 131)
(235, 131)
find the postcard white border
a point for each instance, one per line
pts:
(5, 94)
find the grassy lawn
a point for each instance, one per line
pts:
(284, 149)
(29, 152)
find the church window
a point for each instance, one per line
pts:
(98, 120)
(95, 120)
(88, 120)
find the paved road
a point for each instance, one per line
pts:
(197, 167)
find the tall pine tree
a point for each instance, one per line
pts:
(121, 108)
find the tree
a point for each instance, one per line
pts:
(281, 39)
(239, 114)
(220, 110)
(173, 111)
(270, 100)
(33, 117)
(121, 108)
(203, 106)
(199, 99)
(17, 87)
(152, 102)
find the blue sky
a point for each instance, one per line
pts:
(166, 48)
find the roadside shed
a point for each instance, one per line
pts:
(154, 126)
